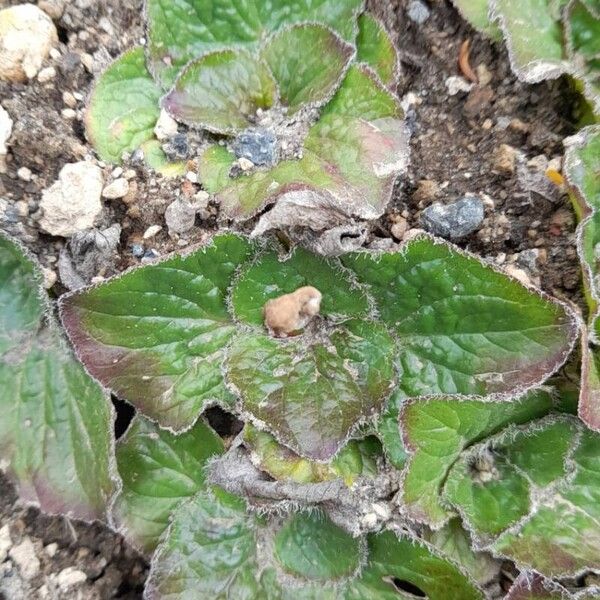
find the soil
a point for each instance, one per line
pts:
(456, 151)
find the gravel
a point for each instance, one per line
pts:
(73, 202)
(456, 220)
(259, 146)
(26, 36)
(418, 12)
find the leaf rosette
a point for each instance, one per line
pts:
(177, 336)
(299, 91)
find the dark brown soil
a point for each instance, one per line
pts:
(455, 152)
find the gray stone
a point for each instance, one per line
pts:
(528, 260)
(418, 12)
(455, 220)
(257, 145)
(180, 216)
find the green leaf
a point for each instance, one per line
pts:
(539, 501)
(156, 159)
(583, 30)
(221, 92)
(209, 551)
(402, 559)
(123, 108)
(534, 38)
(156, 335)
(436, 431)
(55, 430)
(361, 96)
(454, 542)
(357, 457)
(310, 395)
(462, 327)
(308, 63)
(375, 48)
(20, 296)
(214, 166)
(182, 30)
(159, 470)
(309, 546)
(582, 172)
(476, 12)
(367, 156)
(582, 25)
(388, 431)
(270, 277)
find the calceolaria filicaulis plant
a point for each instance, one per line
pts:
(400, 423)
(287, 104)
(401, 394)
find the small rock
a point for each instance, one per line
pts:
(49, 277)
(180, 216)
(6, 125)
(505, 159)
(151, 231)
(5, 542)
(398, 229)
(46, 75)
(51, 549)
(484, 76)
(528, 259)
(137, 250)
(117, 189)
(456, 84)
(191, 177)
(259, 146)
(69, 578)
(24, 174)
(417, 11)
(26, 36)
(150, 255)
(54, 8)
(455, 220)
(245, 164)
(68, 113)
(73, 202)
(24, 556)
(177, 147)
(166, 126)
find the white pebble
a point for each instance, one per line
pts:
(151, 231)
(6, 125)
(24, 556)
(69, 578)
(26, 36)
(73, 202)
(24, 173)
(166, 126)
(455, 84)
(46, 74)
(117, 189)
